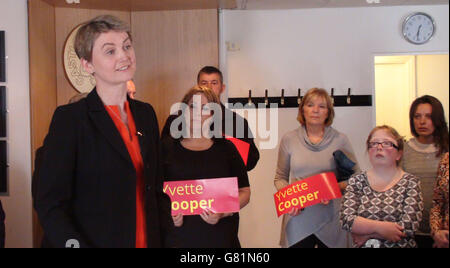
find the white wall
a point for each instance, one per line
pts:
(326, 48)
(433, 78)
(17, 203)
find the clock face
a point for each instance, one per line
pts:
(418, 28)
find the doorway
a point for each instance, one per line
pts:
(401, 79)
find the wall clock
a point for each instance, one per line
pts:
(418, 28)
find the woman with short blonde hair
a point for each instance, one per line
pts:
(99, 180)
(304, 152)
(314, 93)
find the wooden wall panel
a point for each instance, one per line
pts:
(146, 5)
(66, 20)
(41, 34)
(42, 68)
(171, 47)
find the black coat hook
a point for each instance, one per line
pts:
(299, 98)
(332, 95)
(266, 99)
(286, 101)
(348, 96)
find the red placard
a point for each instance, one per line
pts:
(242, 147)
(307, 192)
(192, 197)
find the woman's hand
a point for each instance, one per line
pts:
(441, 239)
(178, 220)
(390, 231)
(343, 186)
(211, 217)
(360, 240)
(294, 212)
(325, 202)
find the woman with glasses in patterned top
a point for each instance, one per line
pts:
(382, 207)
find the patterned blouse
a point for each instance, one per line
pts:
(439, 210)
(401, 204)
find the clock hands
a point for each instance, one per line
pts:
(418, 31)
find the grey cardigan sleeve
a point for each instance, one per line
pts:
(283, 165)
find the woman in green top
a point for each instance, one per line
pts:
(423, 152)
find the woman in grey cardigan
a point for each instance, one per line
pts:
(304, 152)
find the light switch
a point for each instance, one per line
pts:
(231, 46)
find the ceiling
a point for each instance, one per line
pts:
(299, 4)
(144, 5)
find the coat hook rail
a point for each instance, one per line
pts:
(283, 101)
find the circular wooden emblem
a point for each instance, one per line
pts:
(81, 80)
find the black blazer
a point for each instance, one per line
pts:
(87, 182)
(228, 118)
